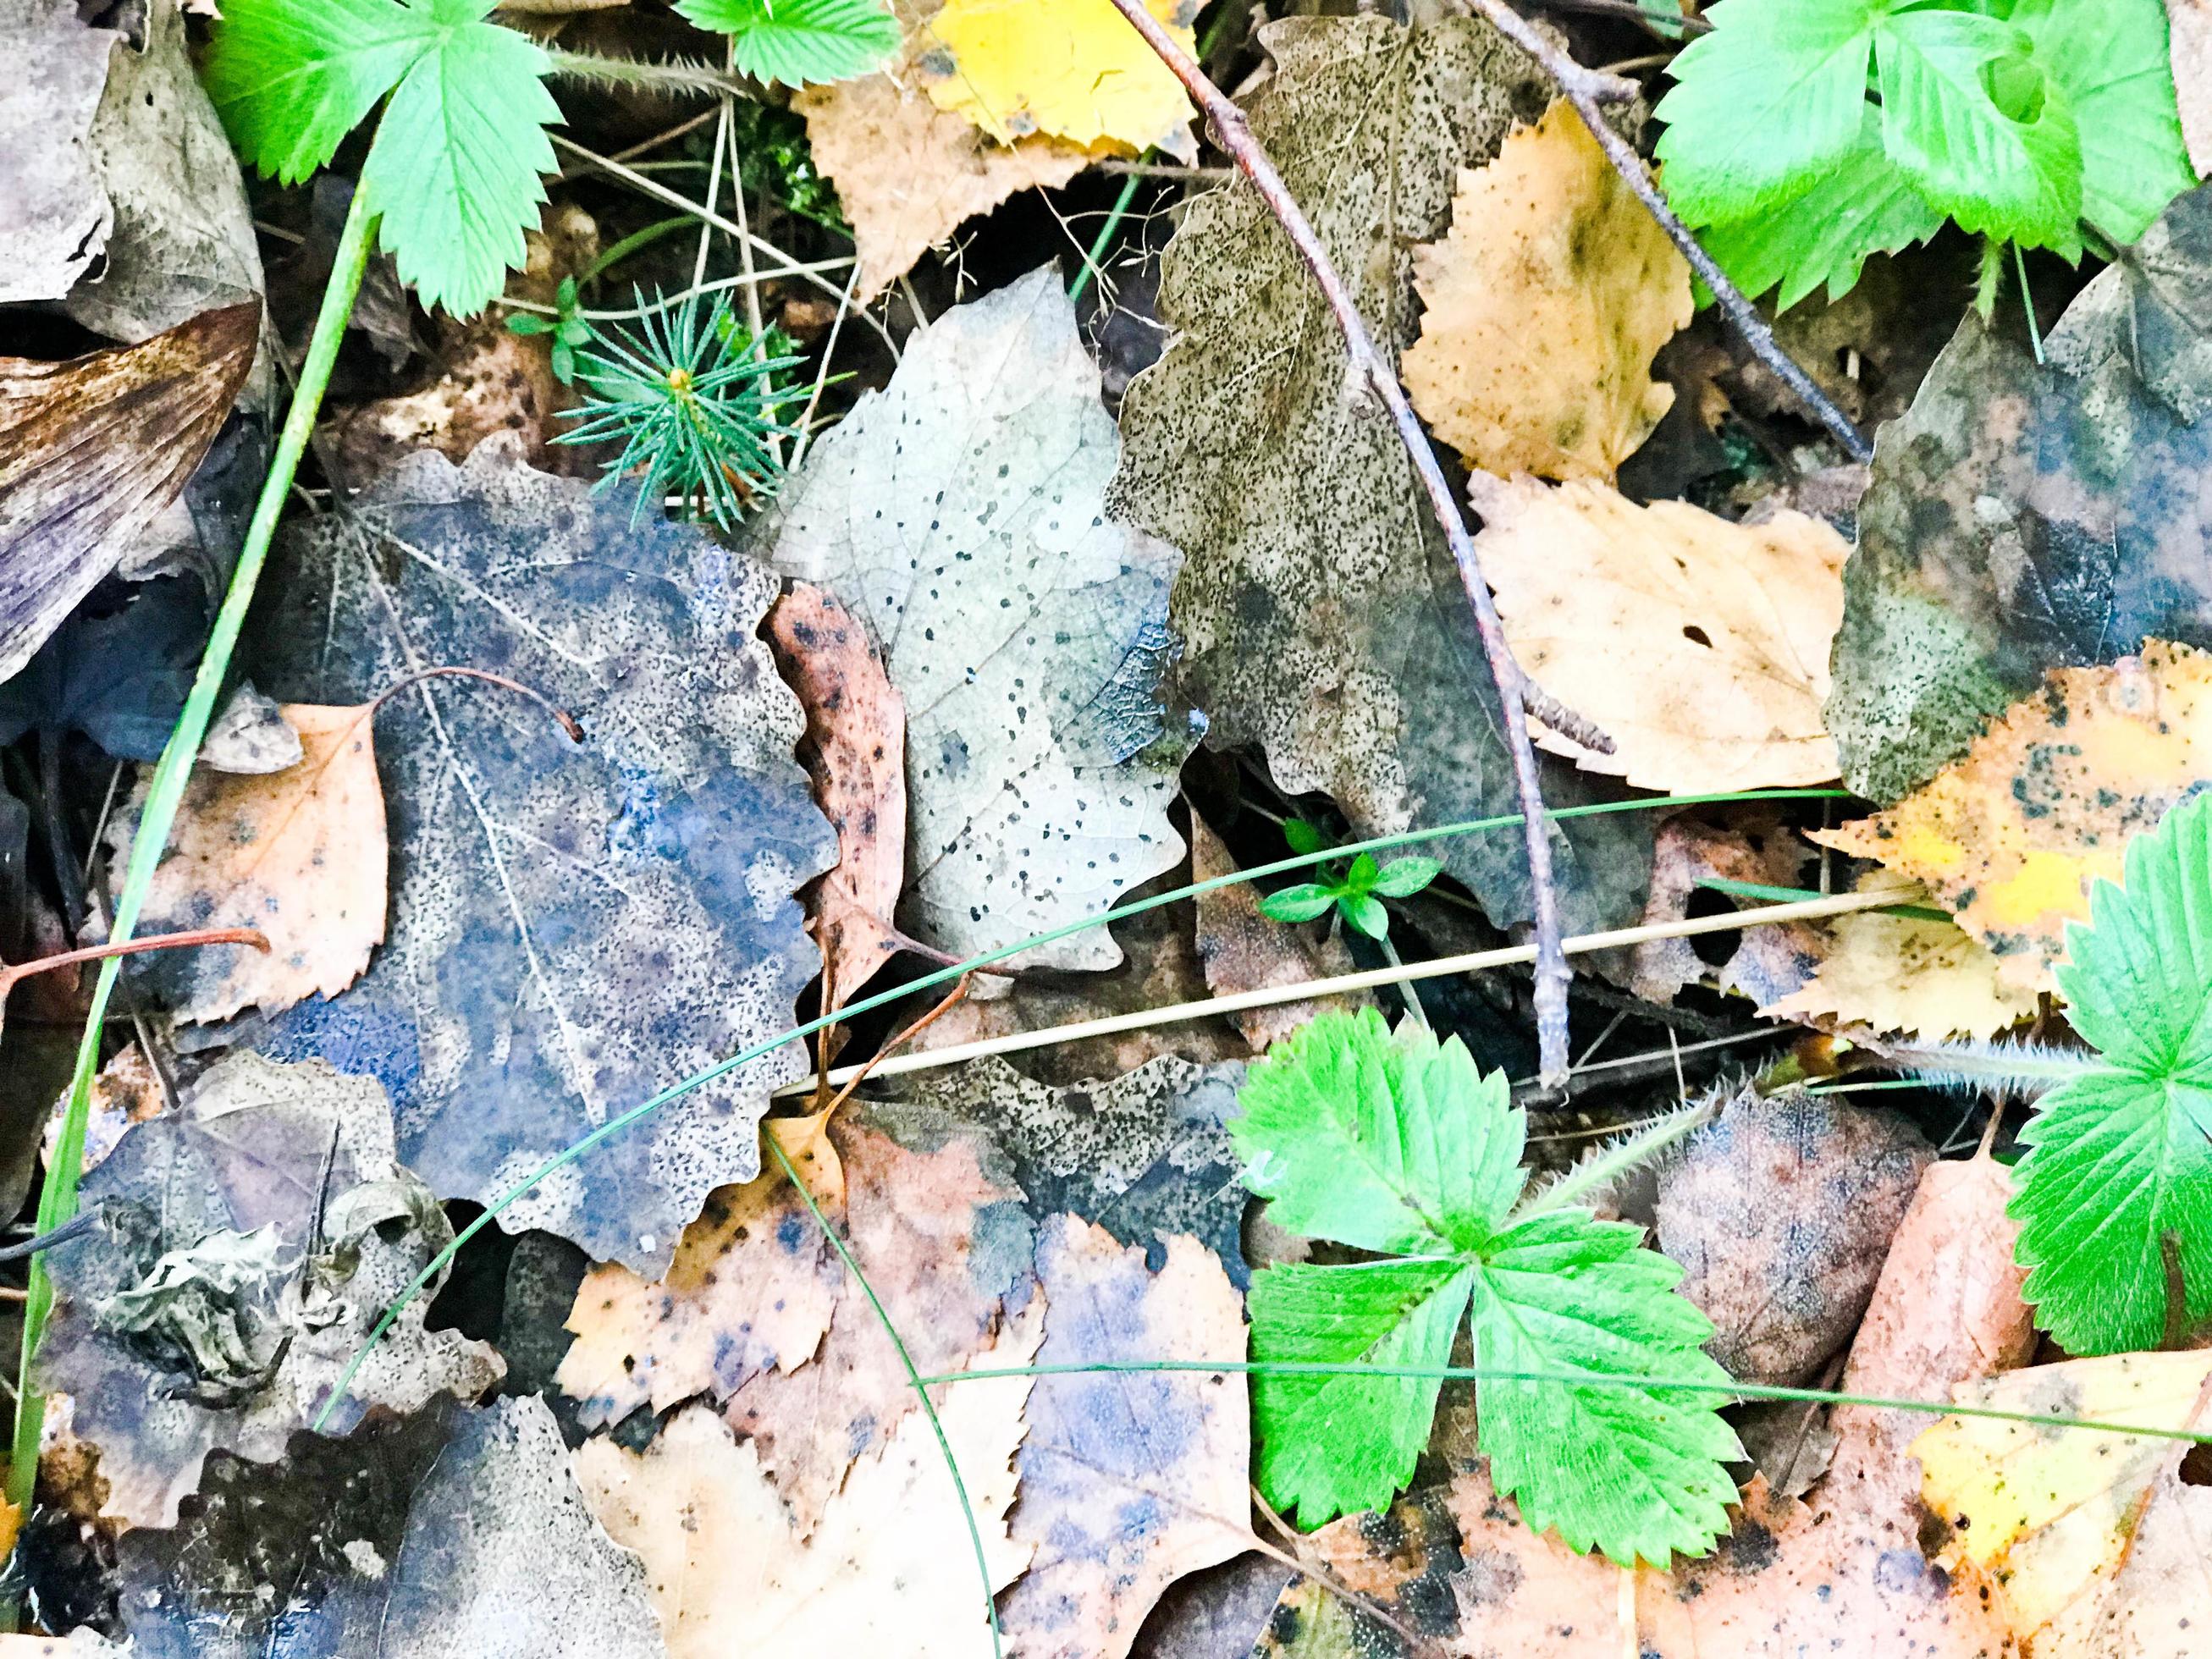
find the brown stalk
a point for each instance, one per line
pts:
(13, 974)
(1518, 697)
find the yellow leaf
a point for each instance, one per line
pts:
(1914, 976)
(2011, 836)
(1699, 645)
(1074, 68)
(2053, 1519)
(1546, 304)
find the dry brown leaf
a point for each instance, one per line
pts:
(2011, 837)
(1546, 304)
(889, 1568)
(1128, 1482)
(1240, 949)
(1754, 847)
(908, 173)
(2190, 35)
(752, 1286)
(855, 753)
(1701, 646)
(2090, 1544)
(491, 380)
(127, 1091)
(298, 854)
(1909, 975)
(91, 451)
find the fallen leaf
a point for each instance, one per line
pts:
(300, 1157)
(125, 1091)
(2011, 836)
(1544, 307)
(1781, 1211)
(491, 381)
(855, 752)
(1699, 645)
(959, 512)
(888, 1568)
(572, 928)
(2026, 518)
(907, 174)
(1323, 619)
(1127, 1480)
(91, 451)
(2189, 38)
(2073, 1533)
(1240, 949)
(117, 669)
(299, 854)
(1754, 846)
(1907, 975)
(249, 734)
(1073, 69)
(751, 1287)
(451, 1534)
(54, 215)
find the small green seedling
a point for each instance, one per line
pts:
(1355, 891)
(1394, 1145)
(567, 326)
(1803, 136)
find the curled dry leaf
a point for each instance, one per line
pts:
(451, 1534)
(2011, 836)
(574, 928)
(1240, 949)
(244, 1259)
(1322, 617)
(1699, 645)
(959, 512)
(1544, 307)
(855, 752)
(2092, 1545)
(92, 449)
(298, 854)
(889, 1568)
(908, 173)
(1909, 975)
(1074, 68)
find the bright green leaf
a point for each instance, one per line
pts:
(1300, 903)
(1335, 1446)
(1403, 877)
(801, 41)
(1360, 878)
(1773, 96)
(1304, 838)
(1365, 912)
(2122, 1156)
(1984, 130)
(290, 78)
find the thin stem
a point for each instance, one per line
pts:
(1517, 694)
(673, 76)
(1093, 262)
(15, 973)
(1759, 889)
(1589, 92)
(630, 244)
(2028, 301)
(57, 1199)
(566, 720)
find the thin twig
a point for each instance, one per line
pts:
(1299, 1557)
(958, 993)
(566, 722)
(1589, 92)
(1518, 697)
(14, 973)
(1630, 11)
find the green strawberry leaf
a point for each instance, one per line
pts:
(290, 78)
(1403, 877)
(1978, 121)
(1300, 903)
(801, 41)
(1774, 95)
(1391, 1142)
(2121, 1156)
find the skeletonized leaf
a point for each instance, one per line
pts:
(958, 513)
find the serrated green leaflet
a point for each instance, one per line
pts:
(1395, 1144)
(2121, 1157)
(291, 79)
(801, 41)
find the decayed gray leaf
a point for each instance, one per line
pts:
(573, 928)
(2025, 518)
(1322, 616)
(453, 1534)
(238, 1270)
(54, 215)
(958, 513)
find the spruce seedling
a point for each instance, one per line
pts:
(1393, 1144)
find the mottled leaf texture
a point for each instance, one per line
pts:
(300, 1149)
(572, 927)
(450, 1535)
(1388, 1141)
(91, 451)
(1321, 616)
(2121, 1157)
(2023, 519)
(957, 513)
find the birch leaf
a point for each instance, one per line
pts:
(1071, 69)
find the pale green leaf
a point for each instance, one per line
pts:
(1403, 877)
(801, 41)
(290, 78)
(1333, 1445)
(1300, 903)
(1365, 912)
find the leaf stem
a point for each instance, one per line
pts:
(57, 1199)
